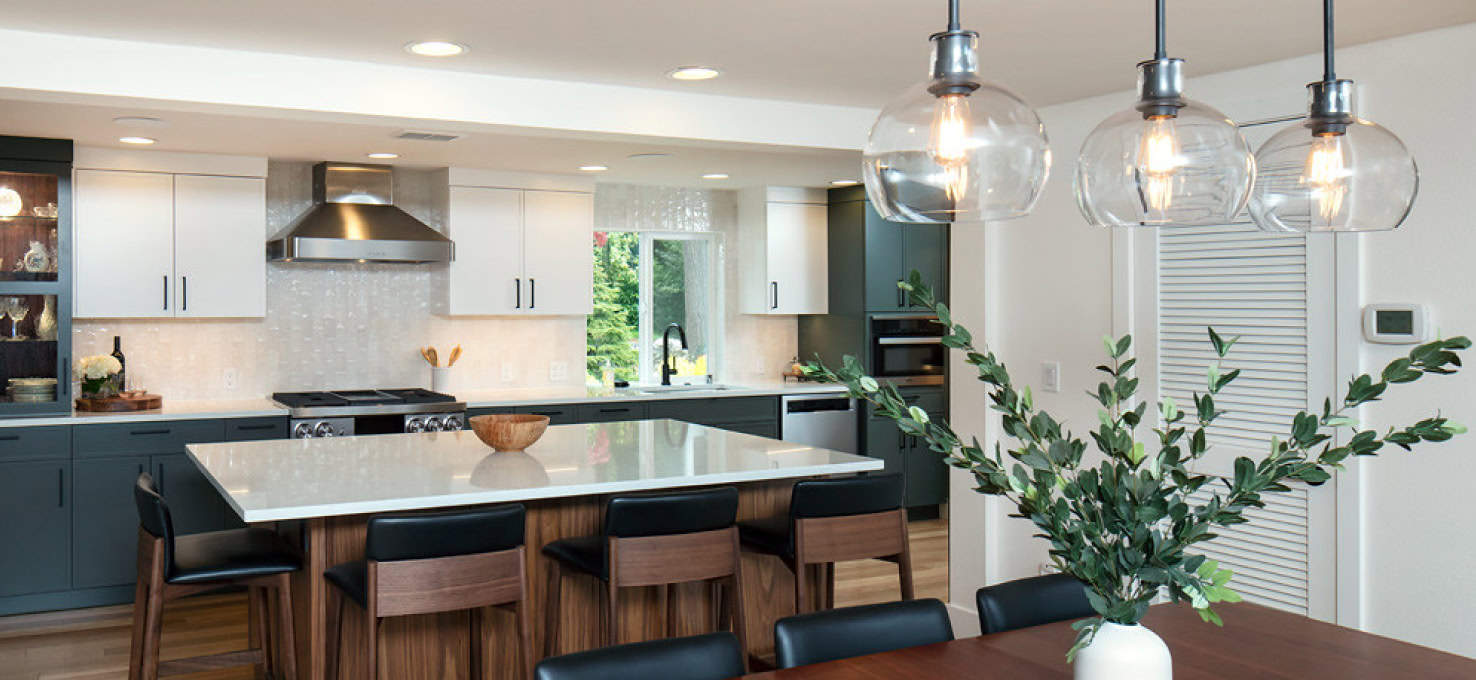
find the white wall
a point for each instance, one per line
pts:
(1047, 292)
(344, 326)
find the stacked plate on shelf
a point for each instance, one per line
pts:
(32, 390)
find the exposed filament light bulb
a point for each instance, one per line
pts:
(1326, 174)
(950, 135)
(1158, 160)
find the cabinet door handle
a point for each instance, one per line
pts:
(161, 478)
(775, 289)
(61, 487)
(144, 432)
(166, 291)
(184, 293)
(518, 292)
(532, 293)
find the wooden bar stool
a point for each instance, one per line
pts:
(171, 567)
(436, 562)
(836, 520)
(655, 540)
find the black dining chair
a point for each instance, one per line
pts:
(714, 656)
(835, 520)
(655, 540)
(171, 567)
(856, 631)
(427, 563)
(1032, 602)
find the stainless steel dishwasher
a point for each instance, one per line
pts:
(824, 420)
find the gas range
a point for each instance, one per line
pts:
(345, 413)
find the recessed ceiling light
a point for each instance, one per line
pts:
(140, 121)
(593, 168)
(694, 73)
(384, 155)
(843, 182)
(715, 175)
(136, 140)
(436, 48)
(648, 155)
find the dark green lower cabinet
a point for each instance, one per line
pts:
(104, 520)
(37, 497)
(884, 441)
(925, 472)
(769, 429)
(194, 504)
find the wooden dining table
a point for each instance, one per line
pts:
(1256, 642)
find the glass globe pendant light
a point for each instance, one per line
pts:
(1168, 161)
(955, 148)
(1333, 171)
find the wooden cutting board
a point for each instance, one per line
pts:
(143, 403)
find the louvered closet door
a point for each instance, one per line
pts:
(1274, 292)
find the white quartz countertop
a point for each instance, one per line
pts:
(250, 408)
(289, 479)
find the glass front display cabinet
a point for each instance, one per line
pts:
(35, 276)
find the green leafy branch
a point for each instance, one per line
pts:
(1126, 525)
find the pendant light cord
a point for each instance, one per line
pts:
(1161, 32)
(953, 16)
(1328, 73)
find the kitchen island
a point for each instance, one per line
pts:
(564, 479)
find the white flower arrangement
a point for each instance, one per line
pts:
(97, 367)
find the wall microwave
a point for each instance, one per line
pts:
(907, 349)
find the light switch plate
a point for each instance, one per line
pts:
(558, 371)
(1050, 376)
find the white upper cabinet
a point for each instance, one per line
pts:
(783, 241)
(524, 244)
(219, 263)
(156, 239)
(125, 243)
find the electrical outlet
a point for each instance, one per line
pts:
(558, 371)
(509, 371)
(1050, 376)
(229, 377)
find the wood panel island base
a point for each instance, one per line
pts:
(564, 480)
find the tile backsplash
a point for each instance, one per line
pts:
(334, 326)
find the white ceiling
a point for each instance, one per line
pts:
(857, 52)
(523, 150)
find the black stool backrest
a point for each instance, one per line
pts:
(860, 495)
(153, 513)
(683, 512)
(1032, 602)
(857, 631)
(444, 534)
(715, 656)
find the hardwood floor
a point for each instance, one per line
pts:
(92, 644)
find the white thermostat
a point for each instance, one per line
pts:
(1395, 324)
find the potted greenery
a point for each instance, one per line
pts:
(1124, 524)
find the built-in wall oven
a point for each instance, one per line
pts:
(907, 348)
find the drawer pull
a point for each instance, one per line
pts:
(614, 410)
(549, 414)
(149, 432)
(9, 438)
(255, 428)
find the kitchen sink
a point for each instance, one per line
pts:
(667, 389)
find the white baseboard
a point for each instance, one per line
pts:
(965, 620)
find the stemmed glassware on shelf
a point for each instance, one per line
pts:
(16, 308)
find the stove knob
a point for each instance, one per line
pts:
(324, 429)
(432, 424)
(451, 423)
(303, 431)
(414, 425)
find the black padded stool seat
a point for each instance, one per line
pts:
(857, 631)
(428, 563)
(171, 567)
(1032, 602)
(715, 656)
(583, 553)
(238, 553)
(835, 520)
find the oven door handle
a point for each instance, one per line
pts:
(926, 340)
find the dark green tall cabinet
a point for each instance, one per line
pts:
(868, 257)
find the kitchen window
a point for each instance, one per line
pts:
(643, 282)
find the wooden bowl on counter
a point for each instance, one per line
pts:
(509, 431)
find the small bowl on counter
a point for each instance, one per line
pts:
(509, 431)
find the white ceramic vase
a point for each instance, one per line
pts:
(1121, 652)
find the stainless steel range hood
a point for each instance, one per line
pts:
(353, 218)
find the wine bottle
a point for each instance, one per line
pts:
(123, 365)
